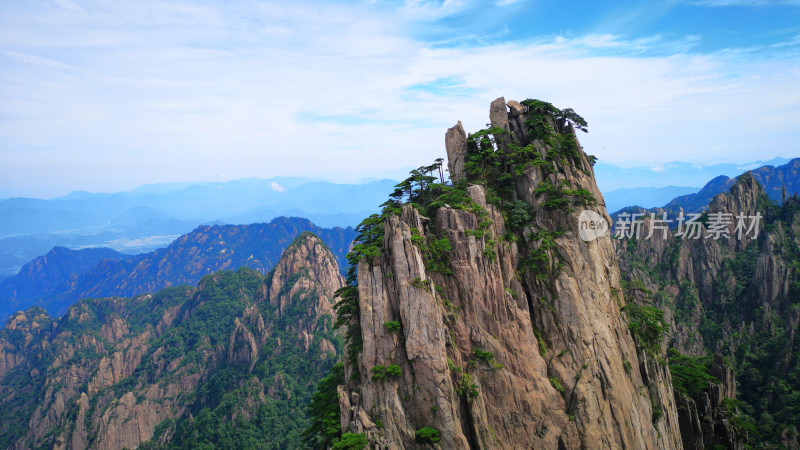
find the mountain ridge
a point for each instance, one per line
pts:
(31, 227)
(775, 181)
(204, 250)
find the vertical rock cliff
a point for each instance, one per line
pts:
(484, 320)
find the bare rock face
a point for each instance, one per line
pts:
(689, 420)
(494, 353)
(455, 142)
(307, 272)
(498, 115)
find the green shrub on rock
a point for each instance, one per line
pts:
(427, 435)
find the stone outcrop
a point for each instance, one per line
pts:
(494, 355)
(310, 266)
(455, 142)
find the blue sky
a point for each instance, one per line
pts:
(106, 96)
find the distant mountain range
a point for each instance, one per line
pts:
(153, 215)
(611, 177)
(179, 203)
(774, 180)
(647, 197)
(650, 187)
(62, 276)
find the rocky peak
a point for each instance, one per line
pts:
(743, 199)
(486, 322)
(306, 266)
(455, 143)
(28, 321)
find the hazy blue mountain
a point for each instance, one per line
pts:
(772, 179)
(49, 275)
(699, 200)
(647, 197)
(611, 177)
(63, 276)
(332, 219)
(179, 204)
(775, 179)
(153, 215)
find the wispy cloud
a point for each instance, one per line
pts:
(431, 10)
(68, 5)
(113, 95)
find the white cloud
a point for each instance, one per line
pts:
(277, 187)
(430, 10)
(68, 5)
(124, 93)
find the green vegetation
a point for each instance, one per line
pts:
(435, 251)
(690, 375)
(351, 441)
(647, 326)
(560, 195)
(393, 370)
(658, 410)
(427, 435)
(465, 385)
(380, 373)
(323, 411)
(487, 357)
(543, 258)
(557, 384)
(541, 342)
(392, 326)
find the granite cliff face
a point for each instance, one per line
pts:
(175, 366)
(509, 328)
